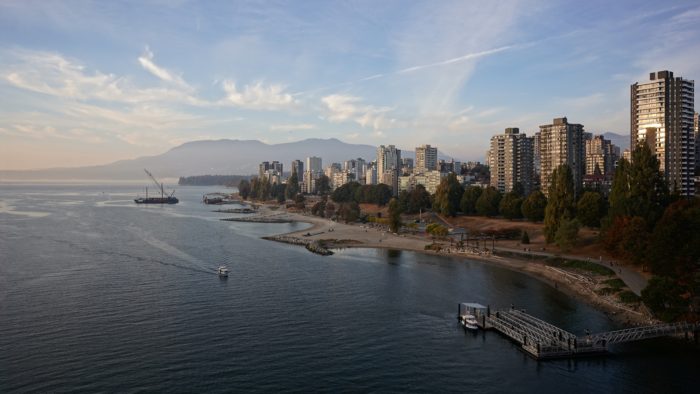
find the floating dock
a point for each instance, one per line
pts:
(543, 340)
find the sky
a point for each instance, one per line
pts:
(84, 83)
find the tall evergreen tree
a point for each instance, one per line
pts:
(590, 209)
(448, 195)
(468, 202)
(244, 188)
(638, 188)
(292, 185)
(510, 206)
(561, 203)
(488, 202)
(394, 215)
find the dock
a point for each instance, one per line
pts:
(543, 340)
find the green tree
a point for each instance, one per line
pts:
(638, 188)
(488, 202)
(346, 192)
(292, 185)
(418, 199)
(394, 215)
(567, 234)
(323, 185)
(634, 240)
(469, 198)
(510, 206)
(534, 206)
(525, 239)
(255, 186)
(590, 209)
(674, 247)
(349, 211)
(244, 188)
(448, 195)
(561, 201)
(665, 296)
(279, 192)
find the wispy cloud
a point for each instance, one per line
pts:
(146, 61)
(257, 96)
(342, 108)
(462, 58)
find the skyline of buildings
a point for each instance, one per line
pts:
(662, 116)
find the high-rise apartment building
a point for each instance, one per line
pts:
(298, 167)
(388, 162)
(313, 171)
(600, 153)
(426, 158)
(696, 134)
(511, 161)
(662, 111)
(313, 164)
(561, 143)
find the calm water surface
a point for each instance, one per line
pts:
(98, 294)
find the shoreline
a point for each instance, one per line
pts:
(335, 235)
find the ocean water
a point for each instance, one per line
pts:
(98, 294)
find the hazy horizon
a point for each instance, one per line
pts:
(90, 83)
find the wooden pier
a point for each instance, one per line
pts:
(543, 340)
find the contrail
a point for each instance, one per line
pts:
(462, 58)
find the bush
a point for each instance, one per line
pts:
(607, 291)
(616, 283)
(629, 297)
(525, 239)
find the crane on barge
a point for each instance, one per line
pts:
(163, 199)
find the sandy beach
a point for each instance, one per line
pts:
(332, 235)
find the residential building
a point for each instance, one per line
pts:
(406, 165)
(262, 167)
(313, 164)
(298, 167)
(429, 179)
(388, 166)
(601, 153)
(511, 161)
(561, 143)
(371, 174)
(662, 111)
(696, 135)
(313, 171)
(426, 158)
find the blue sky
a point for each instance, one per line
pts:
(92, 82)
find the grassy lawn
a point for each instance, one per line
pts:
(581, 265)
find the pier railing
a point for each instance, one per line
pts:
(544, 340)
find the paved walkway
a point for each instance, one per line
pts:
(633, 279)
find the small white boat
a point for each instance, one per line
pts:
(223, 271)
(469, 322)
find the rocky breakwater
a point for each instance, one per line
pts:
(313, 246)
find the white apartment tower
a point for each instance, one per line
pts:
(511, 161)
(388, 163)
(662, 111)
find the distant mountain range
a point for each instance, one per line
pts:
(215, 157)
(223, 157)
